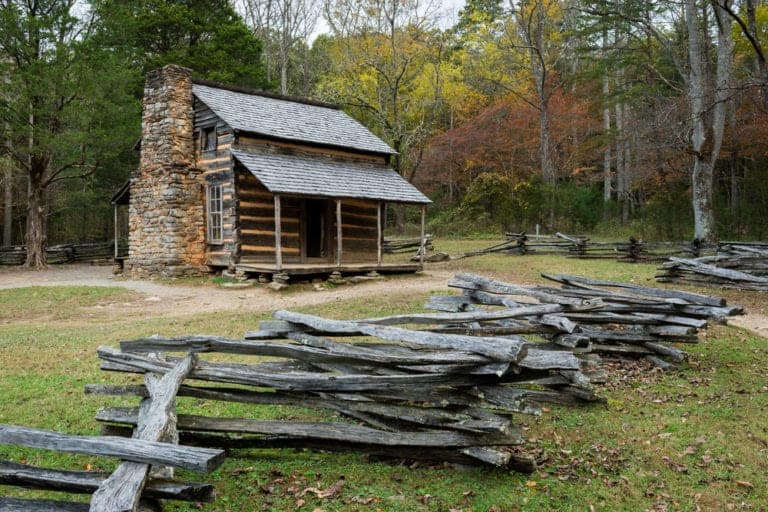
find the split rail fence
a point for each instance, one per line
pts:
(144, 476)
(65, 253)
(738, 265)
(632, 251)
(446, 385)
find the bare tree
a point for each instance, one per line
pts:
(390, 41)
(706, 89)
(535, 29)
(281, 25)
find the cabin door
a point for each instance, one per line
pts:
(316, 224)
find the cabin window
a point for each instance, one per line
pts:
(208, 139)
(215, 214)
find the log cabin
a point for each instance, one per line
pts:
(237, 179)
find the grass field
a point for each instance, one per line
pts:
(696, 439)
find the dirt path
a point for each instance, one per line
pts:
(751, 322)
(159, 299)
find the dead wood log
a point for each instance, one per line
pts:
(40, 505)
(337, 432)
(121, 492)
(586, 283)
(509, 350)
(86, 482)
(319, 350)
(194, 459)
(711, 270)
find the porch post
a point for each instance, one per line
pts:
(378, 235)
(422, 245)
(338, 232)
(278, 235)
(116, 233)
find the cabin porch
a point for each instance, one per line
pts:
(320, 269)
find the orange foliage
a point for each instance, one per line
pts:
(504, 139)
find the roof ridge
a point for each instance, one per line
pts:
(265, 94)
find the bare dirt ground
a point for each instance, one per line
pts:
(751, 322)
(162, 299)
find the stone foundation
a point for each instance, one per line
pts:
(167, 207)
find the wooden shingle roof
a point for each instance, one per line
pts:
(289, 120)
(298, 175)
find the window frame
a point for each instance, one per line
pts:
(214, 203)
(208, 139)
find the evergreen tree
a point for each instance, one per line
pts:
(206, 36)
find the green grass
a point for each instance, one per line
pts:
(683, 440)
(55, 302)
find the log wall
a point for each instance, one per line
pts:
(217, 170)
(257, 222)
(359, 231)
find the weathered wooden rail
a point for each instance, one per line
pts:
(737, 265)
(633, 250)
(604, 317)
(405, 245)
(445, 384)
(64, 253)
(153, 448)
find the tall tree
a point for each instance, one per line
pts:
(58, 104)
(284, 26)
(537, 23)
(385, 66)
(207, 36)
(705, 68)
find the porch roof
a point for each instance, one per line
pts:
(324, 177)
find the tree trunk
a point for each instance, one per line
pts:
(7, 206)
(607, 152)
(761, 67)
(36, 237)
(708, 125)
(284, 45)
(701, 182)
(626, 194)
(547, 167)
(620, 163)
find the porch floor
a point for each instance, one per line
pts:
(298, 269)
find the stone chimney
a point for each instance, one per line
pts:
(166, 213)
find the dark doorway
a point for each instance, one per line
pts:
(316, 226)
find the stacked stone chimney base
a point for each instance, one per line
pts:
(167, 212)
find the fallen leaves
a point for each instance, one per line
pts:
(330, 492)
(674, 466)
(692, 449)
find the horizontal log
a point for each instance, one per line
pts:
(86, 482)
(194, 459)
(40, 505)
(338, 432)
(461, 317)
(519, 462)
(319, 350)
(694, 298)
(258, 375)
(711, 270)
(500, 349)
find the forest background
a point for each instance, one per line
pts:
(616, 117)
